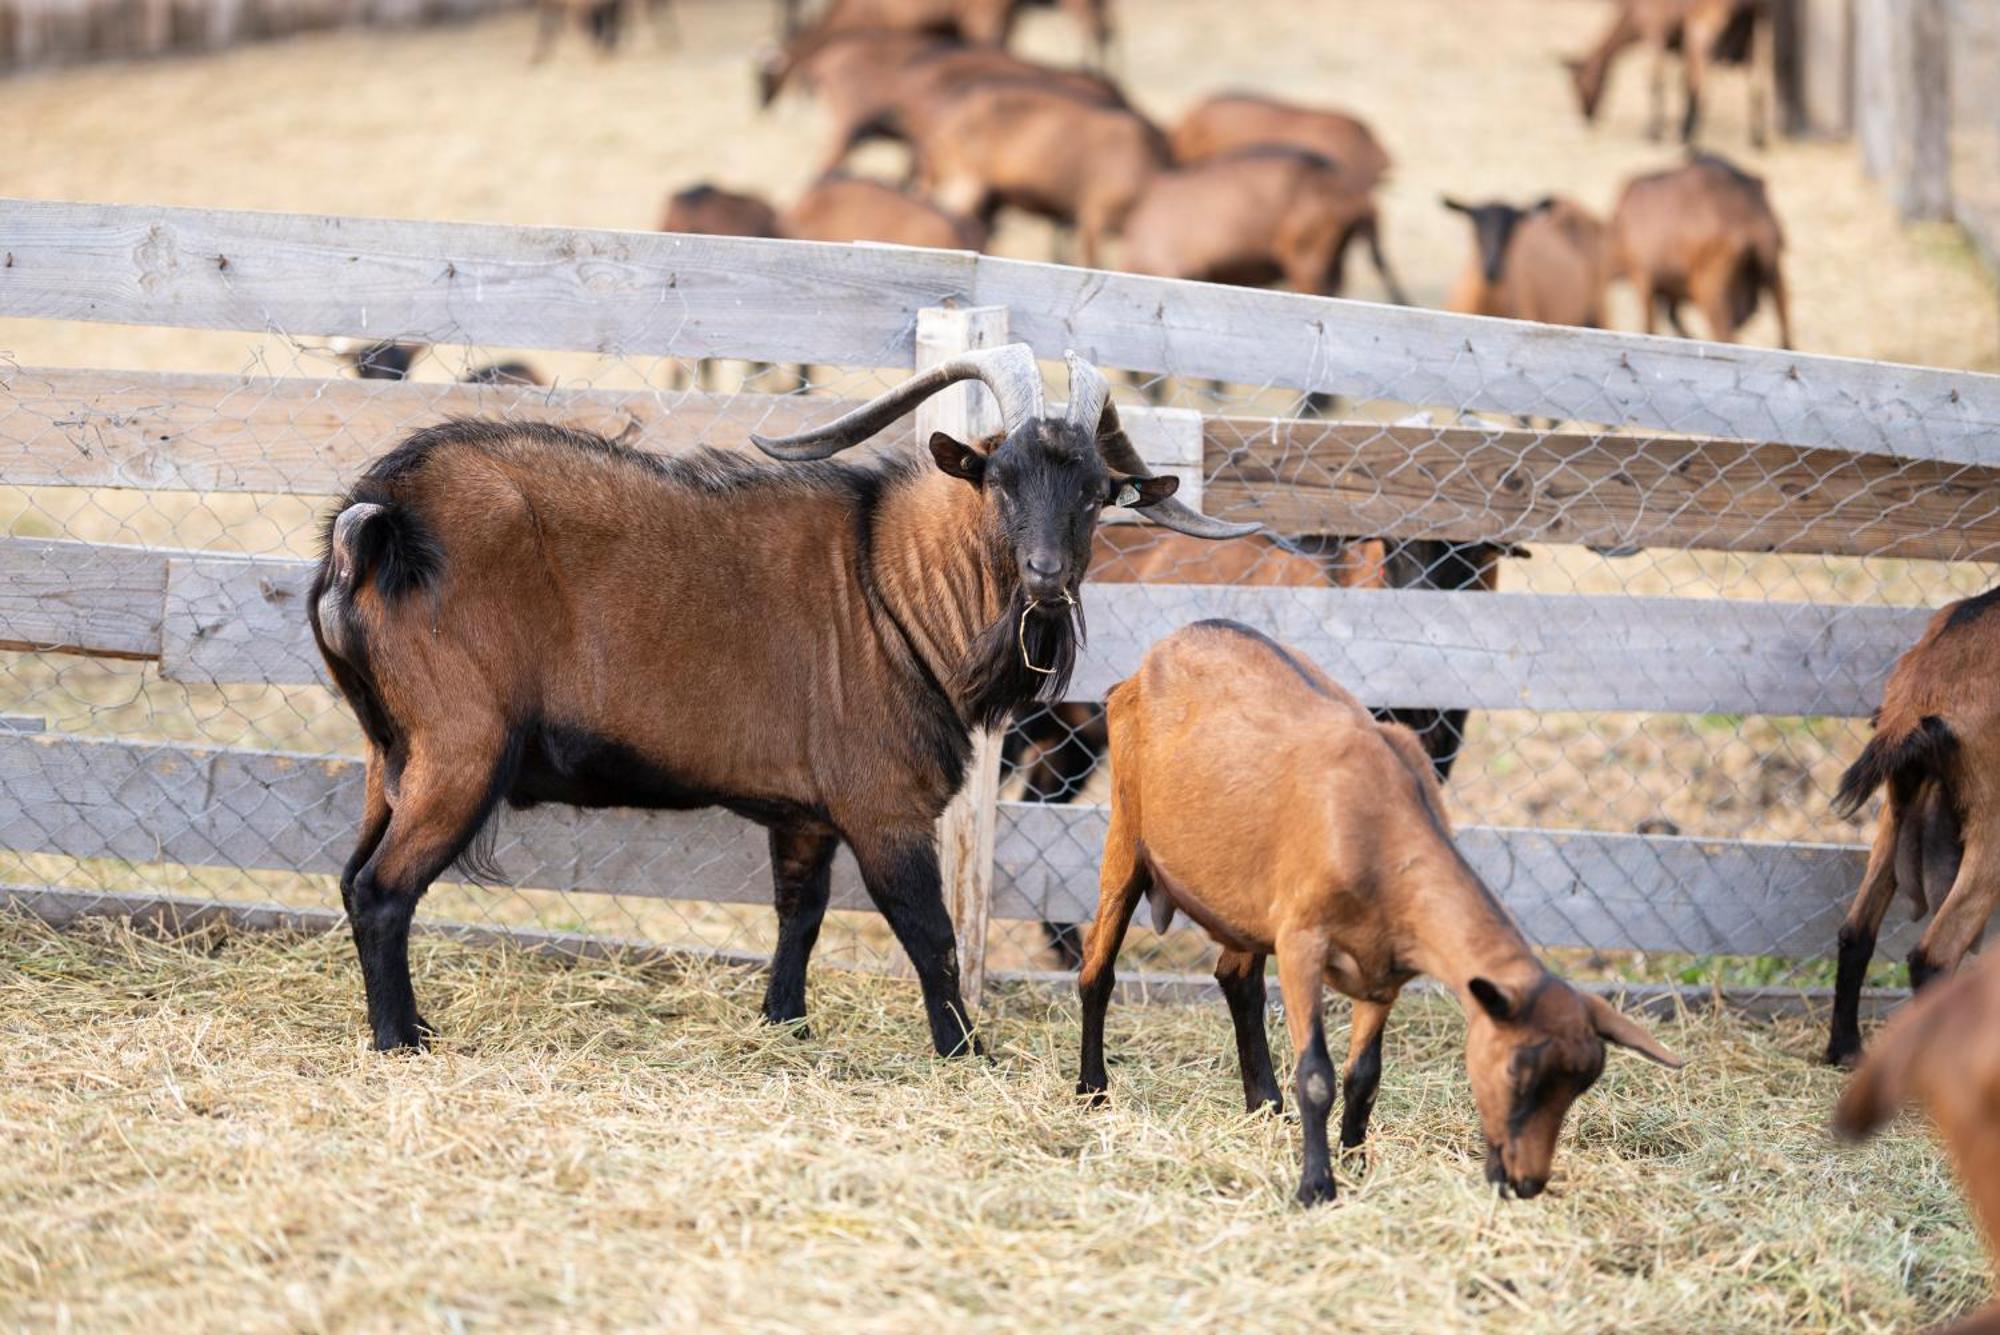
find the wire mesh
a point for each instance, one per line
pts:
(1651, 837)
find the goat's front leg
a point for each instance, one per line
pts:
(1364, 1070)
(1241, 976)
(900, 869)
(1301, 976)
(801, 875)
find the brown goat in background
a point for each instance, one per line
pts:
(1254, 217)
(1231, 122)
(1937, 749)
(708, 210)
(851, 208)
(1728, 32)
(1549, 262)
(1252, 793)
(525, 613)
(1034, 147)
(1702, 232)
(1943, 1052)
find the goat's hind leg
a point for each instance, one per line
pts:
(1364, 1071)
(1857, 937)
(802, 875)
(1122, 879)
(1963, 915)
(444, 797)
(1241, 976)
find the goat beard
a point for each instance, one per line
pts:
(994, 680)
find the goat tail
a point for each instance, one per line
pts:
(1906, 761)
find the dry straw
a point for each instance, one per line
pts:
(196, 1138)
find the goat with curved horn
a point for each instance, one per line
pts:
(1008, 371)
(1091, 409)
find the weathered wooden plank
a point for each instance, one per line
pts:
(80, 597)
(232, 620)
(1419, 648)
(472, 283)
(1433, 358)
(1565, 888)
(1472, 484)
(270, 810)
(1902, 107)
(210, 806)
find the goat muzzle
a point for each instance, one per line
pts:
(1068, 604)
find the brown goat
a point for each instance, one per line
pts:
(1548, 262)
(1730, 32)
(1261, 215)
(1035, 147)
(1702, 232)
(1943, 1051)
(871, 83)
(707, 210)
(850, 208)
(983, 22)
(1056, 750)
(1252, 793)
(1937, 749)
(528, 613)
(394, 361)
(1231, 122)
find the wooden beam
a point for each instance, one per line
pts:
(1902, 101)
(966, 412)
(1470, 484)
(1564, 887)
(619, 293)
(205, 806)
(223, 620)
(1433, 358)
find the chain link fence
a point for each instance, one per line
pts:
(1640, 655)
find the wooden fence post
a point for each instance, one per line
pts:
(965, 835)
(1902, 101)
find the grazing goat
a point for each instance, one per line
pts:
(1027, 144)
(872, 84)
(1231, 122)
(1943, 1051)
(1727, 32)
(1548, 262)
(1056, 750)
(1933, 747)
(1702, 232)
(850, 208)
(1254, 217)
(707, 210)
(1252, 793)
(526, 613)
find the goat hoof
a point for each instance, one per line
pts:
(1317, 1190)
(1092, 1093)
(1845, 1055)
(414, 1038)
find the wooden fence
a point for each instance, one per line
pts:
(1693, 445)
(35, 33)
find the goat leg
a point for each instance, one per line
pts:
(1122, 880)
(801, 875)
(901, 873)
(1241, 976)
(1857, 939)
(1364, 1071)
(1301, 976)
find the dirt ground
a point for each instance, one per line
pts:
(453, 123)
(198, 1139)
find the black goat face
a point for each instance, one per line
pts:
(1046, 485)
(1493, 225)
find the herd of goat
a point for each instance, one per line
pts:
(523, 613)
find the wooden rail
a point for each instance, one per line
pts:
(211, 619)
(223, 433)
(222, 807)
(663, 294)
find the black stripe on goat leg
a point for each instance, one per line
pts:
(1364, 1071)
(802, 875)
(1241, 976)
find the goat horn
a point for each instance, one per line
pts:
(1090, 396)
(1009, 371)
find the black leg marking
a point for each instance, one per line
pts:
(1363, 1077)
(801, 874)
(1857, 949)
(904, 882)
(1314, 1084)
(1922, 971)
(380, 919)
(1244, 989)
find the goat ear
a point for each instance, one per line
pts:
(1136, 493)
(1613, 1026)
(957, 458)
(1492, 999)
